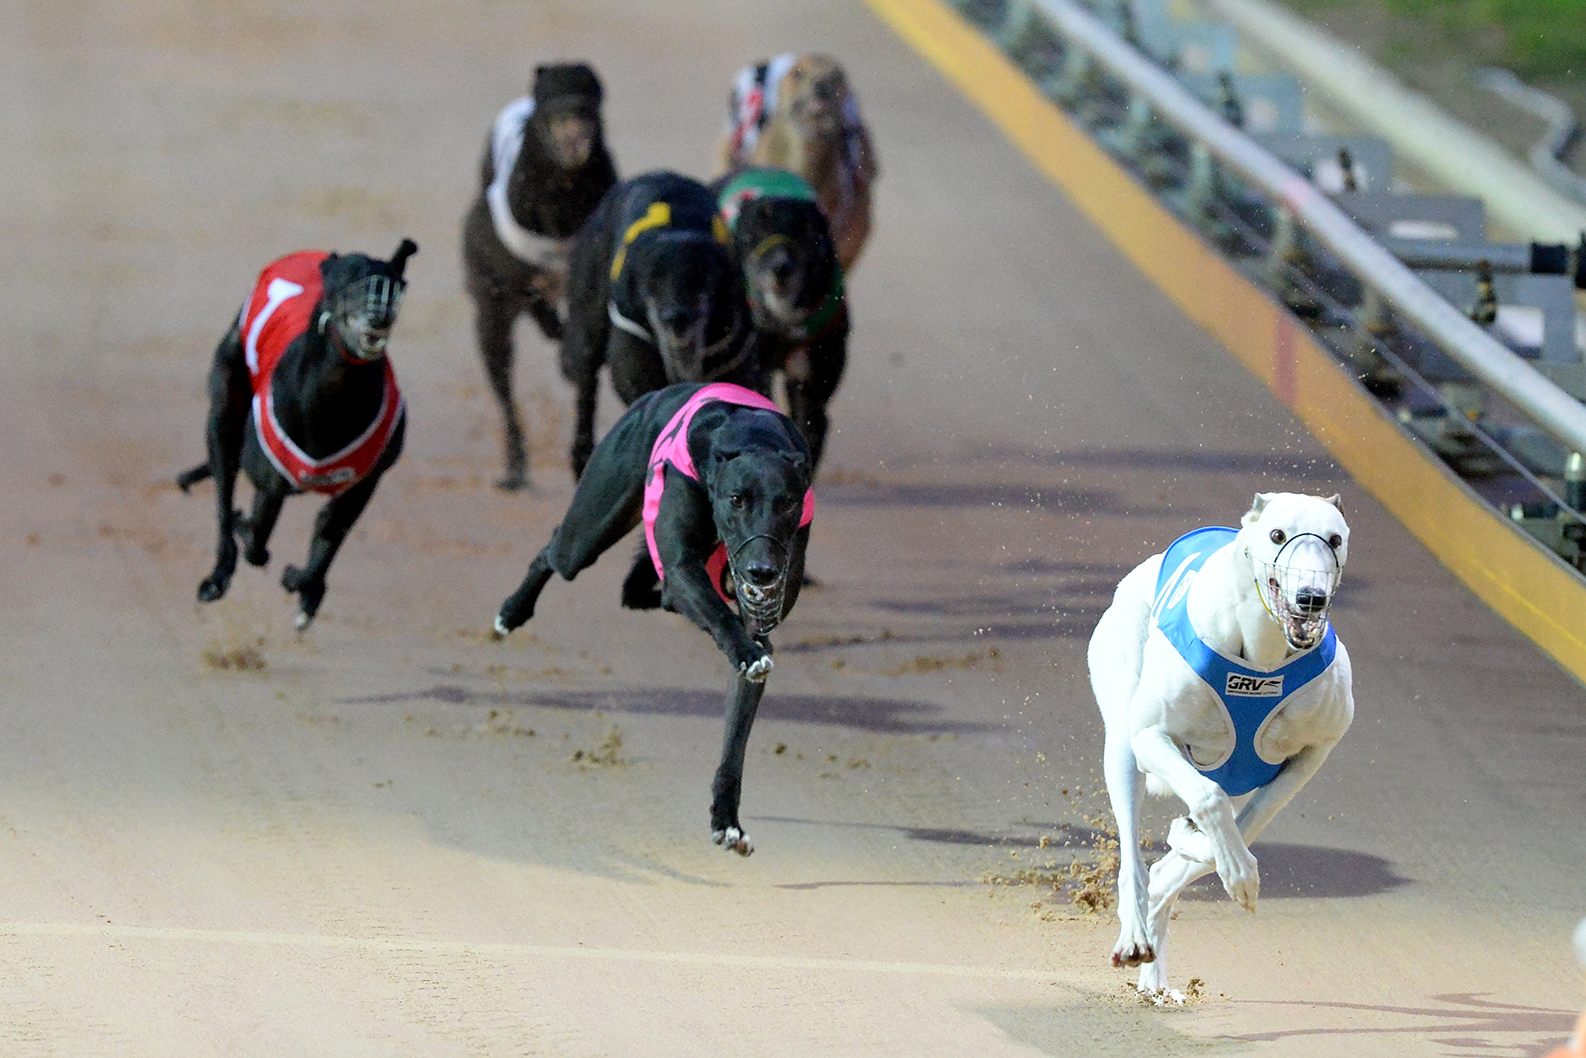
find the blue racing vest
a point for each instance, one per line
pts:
(1249, 696)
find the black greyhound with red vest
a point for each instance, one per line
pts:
(720, 480)
(303, 399)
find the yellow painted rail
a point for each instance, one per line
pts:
(1509, 570)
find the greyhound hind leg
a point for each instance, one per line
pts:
(493, 328)
(1169, 876)
(331, 526)
(255, 530)
(229, 398)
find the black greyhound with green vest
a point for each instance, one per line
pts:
(797, 301)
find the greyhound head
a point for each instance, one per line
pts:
(758, 474)
(814, 91)
(789, 262)
(1297, 546)
(691, 282)
(566, 117)
(362, 296)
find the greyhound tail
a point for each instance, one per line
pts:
(399, 260)
(188, 478)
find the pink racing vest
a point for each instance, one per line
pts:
(279, 310)
(672, 447)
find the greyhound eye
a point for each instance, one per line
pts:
(1335, 541)
(736, 499)
(1278, 537)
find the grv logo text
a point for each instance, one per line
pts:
(1254, 686)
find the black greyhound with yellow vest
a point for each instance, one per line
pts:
(720, 481)
(653, 292)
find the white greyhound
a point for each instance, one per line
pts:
(1218, 676)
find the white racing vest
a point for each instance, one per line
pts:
(506, 142)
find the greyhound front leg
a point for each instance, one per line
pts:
(743, 701)
(519, 606)
(584, 415)
(1210, 809)
(1126, 792)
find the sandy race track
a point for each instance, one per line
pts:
(399, 838)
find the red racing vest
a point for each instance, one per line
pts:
(672, 447)
(279, 310)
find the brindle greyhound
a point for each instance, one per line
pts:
(720, 480)
(302, 398)
(544, 170)
(654, 293)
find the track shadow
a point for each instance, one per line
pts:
(1104, 1024)
(1310, 871)
(1466, 1022)
(1287, 871)
(891, 716)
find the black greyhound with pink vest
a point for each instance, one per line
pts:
(720, 480)
(303, 399)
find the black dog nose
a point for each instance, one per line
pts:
(1310, 601)
(761, 574)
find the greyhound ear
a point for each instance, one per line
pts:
(399, 260)
(1257, 505)
(1337, 500)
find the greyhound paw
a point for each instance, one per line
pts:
(733, 840)
(641, 589)
(1192, 844)
(756, 671)
(310, 593)
(301, 622)
(500, 629)
(513, 480)
(1153, 986)
(261, 557)
(213, 587)
(1242, 879)
(578, 458)
(1133, 948)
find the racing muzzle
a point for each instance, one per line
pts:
(760, 583)
(363, 313)
(1297, 587)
